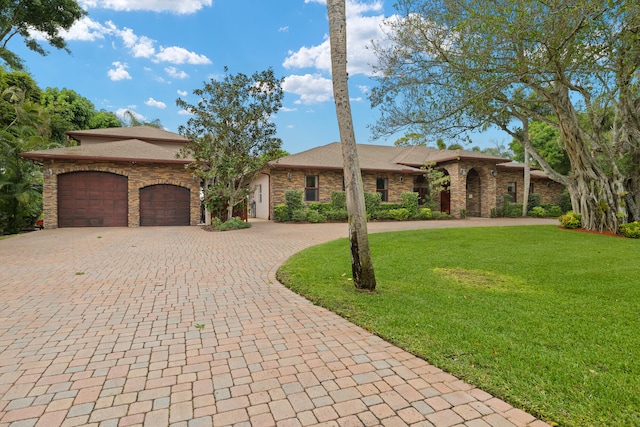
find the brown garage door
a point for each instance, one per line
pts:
(164, 204)
(92, 199)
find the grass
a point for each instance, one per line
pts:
(544, 318)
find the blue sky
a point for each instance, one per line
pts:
(141, 55)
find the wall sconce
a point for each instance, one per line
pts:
(289, 176)
(402, 179)
(48, 172)
(494, 172)
(548, 183)
(463, 171)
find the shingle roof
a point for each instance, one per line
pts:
(378, 158)
(129, 150)
(143, 133)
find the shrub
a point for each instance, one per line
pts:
(293, 200)
(281, 213)
(631, 229)
(338, 200)
(553, 211)
(538, 212)
(315, 216)
(337, 215)
(372, 201)
(565, 201)
(234, 223)
(533, 200)
(401, 214)
(424, 213)
(571, 220)
(436, 214)
(299, 215)
(410, 202)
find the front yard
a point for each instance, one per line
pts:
(542, 317)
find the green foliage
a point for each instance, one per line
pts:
(293, 200)
(533, 200)
(508, 208)
(545, 138)
(401, 214)
(231, 132)
(372, 201)
(565, 201)
(281, 213)
(571, 220)
(424, 213)
(235, 223)
(631, 229)
(538, 212)
(26, 18)
(339, 200)
(315, 217)
(299, 215)
(437, 181)
(410, 202)
(337, 215)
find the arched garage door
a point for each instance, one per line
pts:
(164, 204)
(92, 199)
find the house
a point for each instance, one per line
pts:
(118, 177)
(478, 181)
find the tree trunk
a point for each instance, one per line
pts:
(361, 263)
(527, 169)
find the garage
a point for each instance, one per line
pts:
(92, 199)
(164, 205)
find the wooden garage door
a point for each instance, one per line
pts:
(92, 199)
(164, 204)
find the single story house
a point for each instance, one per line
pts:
(118, 177)
(478, 181)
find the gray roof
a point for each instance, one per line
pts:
(129, 150)
(143, 133)
(379, 158)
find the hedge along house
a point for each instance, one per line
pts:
(118, 177)
(478, 182)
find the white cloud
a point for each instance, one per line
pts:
(175, 6)
(312, 89)
(183, 93)
(157, 104)
(288, 110)
(283, 29)
(364, 24)
(185, 113)
(179, 55)
(175, 73)
(119, 72)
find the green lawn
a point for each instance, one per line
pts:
(544, 318)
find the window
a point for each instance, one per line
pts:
(531, 188)
(259, 193)
(311, 188)
(382, 187)
(511, 190)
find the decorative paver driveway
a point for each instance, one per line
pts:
(177, 326)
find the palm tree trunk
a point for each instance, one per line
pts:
(361, 262)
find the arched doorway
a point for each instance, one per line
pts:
(474, 194)
(440, 201)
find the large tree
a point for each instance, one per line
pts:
(232, 133)
(47, 17)
(361, 262)
(456, 65)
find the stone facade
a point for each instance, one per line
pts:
(549, 191)
(139, 175)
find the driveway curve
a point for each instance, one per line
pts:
(177, 326)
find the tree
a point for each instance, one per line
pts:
(131, 119)
(231, 133)
(24, 17)
(67, 111)
(456, 66)
(361, 262)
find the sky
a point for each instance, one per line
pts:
(142, 55)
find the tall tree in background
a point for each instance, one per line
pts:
(231, 132)
(47, 17)
(456, 65)
(361, 262)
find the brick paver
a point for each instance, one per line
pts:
(153, 326)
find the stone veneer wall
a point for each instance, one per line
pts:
(140, 175)
(458, 186)
(549, 191)
(283, 180)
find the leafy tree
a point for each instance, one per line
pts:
(455, 66)
(546, 141)
(104, 119)
(47, 17)
(67, 111)
(361, 262)
(20, 179)
(231, 132)
(130, 118)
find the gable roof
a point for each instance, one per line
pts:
(129, 150)
(379, 158)
(143, 133)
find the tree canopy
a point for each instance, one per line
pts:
(231, 132)
(24, 17)
(453, 66)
